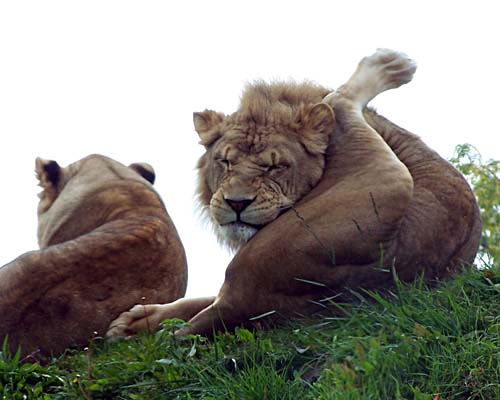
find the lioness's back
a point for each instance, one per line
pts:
(107, 244)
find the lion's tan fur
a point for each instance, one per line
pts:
(106, 242)
(278, 103)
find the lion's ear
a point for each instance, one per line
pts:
(317, 123)
(48, 173)
(145, 170)
(206, 123)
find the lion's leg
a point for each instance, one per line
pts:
(384, 70)
(440, 194)
(148, 317)
(441, 198)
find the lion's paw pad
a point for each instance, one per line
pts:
(385, 69)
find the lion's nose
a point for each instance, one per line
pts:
(239, 205)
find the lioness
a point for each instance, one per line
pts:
(106, 243)
(319, 194)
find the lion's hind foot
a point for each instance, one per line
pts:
(385, 69)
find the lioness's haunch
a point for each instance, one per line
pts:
(318, 195)
(106, 243)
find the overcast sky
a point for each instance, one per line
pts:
(123, 78)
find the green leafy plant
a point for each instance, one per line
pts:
(484, 177)
(25, 381)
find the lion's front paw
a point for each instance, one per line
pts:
(138, 318)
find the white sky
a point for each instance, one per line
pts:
(122, 78)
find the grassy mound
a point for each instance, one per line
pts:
(415, 343)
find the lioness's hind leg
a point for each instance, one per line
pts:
(385, 69)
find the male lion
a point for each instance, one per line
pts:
(324, 201)
(106, 242)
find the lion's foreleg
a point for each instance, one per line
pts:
(148, 317)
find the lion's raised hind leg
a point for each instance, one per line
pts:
(354, 138)
(385, 69)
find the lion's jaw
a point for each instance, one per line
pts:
(236, 234)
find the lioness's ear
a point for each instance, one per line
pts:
(145, 170)
(206, 123)
(317, 124)
(48, 173)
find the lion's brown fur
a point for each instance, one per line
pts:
(107, 243)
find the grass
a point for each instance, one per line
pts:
(415, 343)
